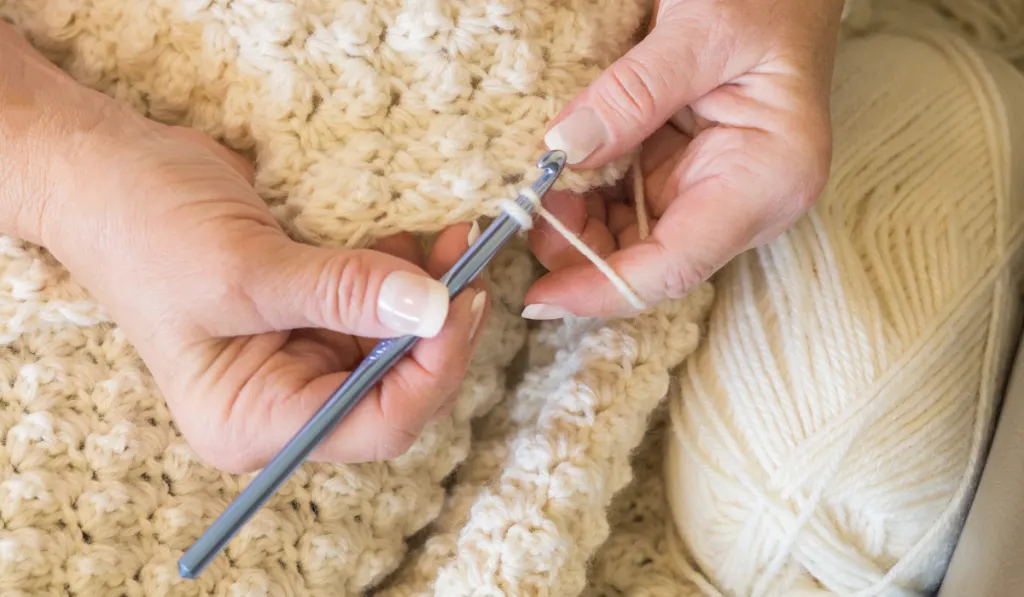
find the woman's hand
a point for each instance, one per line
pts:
(730, 99)
(246, 331)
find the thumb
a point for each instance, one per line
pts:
(359, 292)
(636, 95)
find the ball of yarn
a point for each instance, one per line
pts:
(826, 437)
(996, 25)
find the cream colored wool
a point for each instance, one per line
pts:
(364, 118)
(367, 117)
(827, 436)
(993, 25)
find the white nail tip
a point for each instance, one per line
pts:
(476, 310)
(412, 304)
(437, 312)
(578, 135)
(474, 233)
(544, 312)
(555, 141)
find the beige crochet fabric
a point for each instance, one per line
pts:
(364, 118)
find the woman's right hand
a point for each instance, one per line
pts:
(245, 331)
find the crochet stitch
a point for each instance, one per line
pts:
(364, 119)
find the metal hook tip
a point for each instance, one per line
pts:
(555, 158)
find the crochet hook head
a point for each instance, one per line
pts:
(506, 225)
(366, 375)
(552, 163)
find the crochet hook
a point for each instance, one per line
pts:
(370, 371)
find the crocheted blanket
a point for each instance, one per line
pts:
(365, 118)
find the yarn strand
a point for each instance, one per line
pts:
(526, 222)
(643, 224)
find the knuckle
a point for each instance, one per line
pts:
(683, 276)
(343, 290)
(212, 284)
(633, 90)
(223, 279)
(682, 280)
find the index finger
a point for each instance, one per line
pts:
(410, 395)
(730, 193)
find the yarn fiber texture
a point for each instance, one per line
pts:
(827, 436)
(994, 25)
(367, 118)
(363, 119)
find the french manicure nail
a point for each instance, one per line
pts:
(476, 310)
(579, 135)
(474, 233)
(412, 304)
(543, 312)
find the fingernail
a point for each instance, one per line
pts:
(476, 310)
(412, 304)
(542, 312)
(578, 135)
(474, 233)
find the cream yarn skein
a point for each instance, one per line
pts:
(827, 436)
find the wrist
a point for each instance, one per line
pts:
(54, 133)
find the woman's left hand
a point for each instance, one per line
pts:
(245, 331)
(731, 101)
